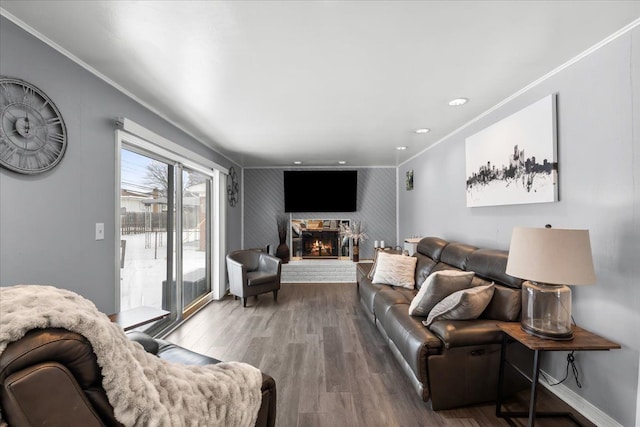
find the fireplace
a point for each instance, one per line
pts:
(320, 243)
(318, 239)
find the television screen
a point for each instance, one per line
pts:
(320, 191)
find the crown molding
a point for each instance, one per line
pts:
(26, 27)
(530, 86)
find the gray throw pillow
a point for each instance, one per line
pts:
(438, 286)
(466, 304)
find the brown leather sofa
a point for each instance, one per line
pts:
(453, 362)
(51, 377)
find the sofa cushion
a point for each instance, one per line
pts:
(424, 267)
(177, 354)
(460, 333)
(388, 297)
(412, 339)
(147, 342)
(395, 270)
(431, 247)
(457, 254)
(250, 259)
(444, 266)
(466, 304)
(438, 286)
(492, 264)
(505, 305)
(368, 292)
(259, 277)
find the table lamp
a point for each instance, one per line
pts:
(549, 259)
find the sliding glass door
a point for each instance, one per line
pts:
(147, 249)
(196, 242)
(165, 235)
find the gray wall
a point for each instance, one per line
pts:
(599, 177)
(264, 200)
(47, 222)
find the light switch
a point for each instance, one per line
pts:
(99, 230)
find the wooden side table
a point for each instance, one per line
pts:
(582, 341)
(135, 317)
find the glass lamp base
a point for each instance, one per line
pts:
(542, 333)
(546, 310)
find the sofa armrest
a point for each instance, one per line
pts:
(47, 394)
(461, 333)
(149, 344)
(176, 354)
(270, 264)
(362, 270)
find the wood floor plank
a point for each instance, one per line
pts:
(331, 365)
(313, 376)
(334, 366)
(338, 409)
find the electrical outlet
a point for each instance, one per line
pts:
(99, 230)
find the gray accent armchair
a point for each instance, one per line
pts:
(252, 272)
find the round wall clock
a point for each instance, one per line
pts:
(232, 187)
(33, 136)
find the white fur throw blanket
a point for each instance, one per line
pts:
(143, 389)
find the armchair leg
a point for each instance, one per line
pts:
(235, 297)
(275, 295)
(244, 301)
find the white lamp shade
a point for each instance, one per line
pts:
(551, 255)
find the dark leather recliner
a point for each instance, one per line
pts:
(253, 272)
(452, 362)
(51, 377)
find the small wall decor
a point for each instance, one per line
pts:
(514, 161)
(409, 180)
(232, 187)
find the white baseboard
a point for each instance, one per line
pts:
(578, 403)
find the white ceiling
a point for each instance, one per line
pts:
(267, 83)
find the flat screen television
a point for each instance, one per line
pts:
(320, 191)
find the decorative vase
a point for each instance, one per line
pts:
(282, 252)
(356, 251)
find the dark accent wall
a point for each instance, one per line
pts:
(264, 200)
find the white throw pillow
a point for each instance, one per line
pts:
(462, 305)
(437, 287)
(395, 270)
(372, 272)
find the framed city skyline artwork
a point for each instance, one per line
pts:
(514, 161)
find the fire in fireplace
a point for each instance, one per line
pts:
(320, 244)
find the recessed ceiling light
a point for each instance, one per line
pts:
(297, 162)
(342, 162)
(401, 148)
(423, 130)
(458, 102)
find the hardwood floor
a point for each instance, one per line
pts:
(331, 366)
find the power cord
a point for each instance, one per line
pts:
(570, 363)
(574, 370)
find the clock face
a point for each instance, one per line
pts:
(232, 187)
(33, 137)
